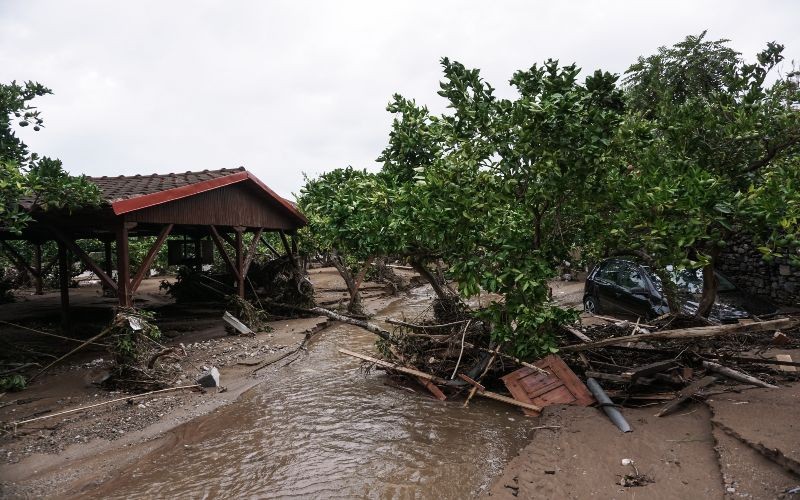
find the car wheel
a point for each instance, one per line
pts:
(590, 305)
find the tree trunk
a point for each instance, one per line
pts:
(441, 292)
(709, 288)
(353, 282)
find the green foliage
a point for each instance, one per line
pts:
(24, 175)
(710, 148)
(694, 144)
(129, 333)
(13, 383)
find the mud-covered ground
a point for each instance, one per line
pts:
(741, 444)
(34, 457)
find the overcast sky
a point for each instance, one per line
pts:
(289, 87)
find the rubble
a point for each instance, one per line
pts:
(209, 378)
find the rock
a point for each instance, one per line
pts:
(784, 270)
(209, 378)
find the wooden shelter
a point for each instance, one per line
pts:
(220, 204)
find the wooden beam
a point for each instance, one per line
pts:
(123, 268)
(37, 264)
(285, 242)
(690, 333)
(18, 259)
(63, 283)
(251, 251)
(287, 248)
(239, 262)
(150, 257)
(394, 366)
(84, 257)
(228, 239)
(107, 251)
(271, 248)
(686, 393)
(215, 237)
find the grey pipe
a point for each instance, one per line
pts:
(605, 403)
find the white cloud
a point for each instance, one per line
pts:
(287, 87)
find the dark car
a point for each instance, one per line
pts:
(621, 286)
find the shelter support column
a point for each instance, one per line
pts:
(239, 261)
(123, 267)
(37, 265)
(63, 283)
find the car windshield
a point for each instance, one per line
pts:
(689, 280)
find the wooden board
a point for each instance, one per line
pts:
(559, 386)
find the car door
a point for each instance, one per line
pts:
(634, 297)
(608, 289)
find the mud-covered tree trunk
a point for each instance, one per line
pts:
(710, 284)
(441, 291)
(353, 282)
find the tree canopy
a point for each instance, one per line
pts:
(24, 174)
(693, 144)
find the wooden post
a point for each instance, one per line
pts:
(239, 261)
(63, 284)
(37, 264)
(108, 264)
(123, 267)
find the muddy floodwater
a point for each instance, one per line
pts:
(320, 427)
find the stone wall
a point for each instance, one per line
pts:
(777, 280)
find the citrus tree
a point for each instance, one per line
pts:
(711, 149)
(24, 174)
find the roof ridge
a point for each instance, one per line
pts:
(171, 174)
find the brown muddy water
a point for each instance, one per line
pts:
(322, 428)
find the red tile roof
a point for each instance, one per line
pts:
(128, 193)
(123, 187)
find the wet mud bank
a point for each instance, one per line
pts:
(312, 425)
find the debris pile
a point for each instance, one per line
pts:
(281, 280)
(255, 318)
(624, 364)
(140, 361)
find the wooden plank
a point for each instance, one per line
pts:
(611, 377)
(737, 375)
(785, 358)
(645, 370)
(690, 333)
(481, 391)
(236, 324)
(686, 393)
(394, 366)
(432, 388)
(577, 334)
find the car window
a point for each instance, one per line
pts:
(630, 278)
(610, 271)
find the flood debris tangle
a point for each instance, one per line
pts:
(667, 363)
